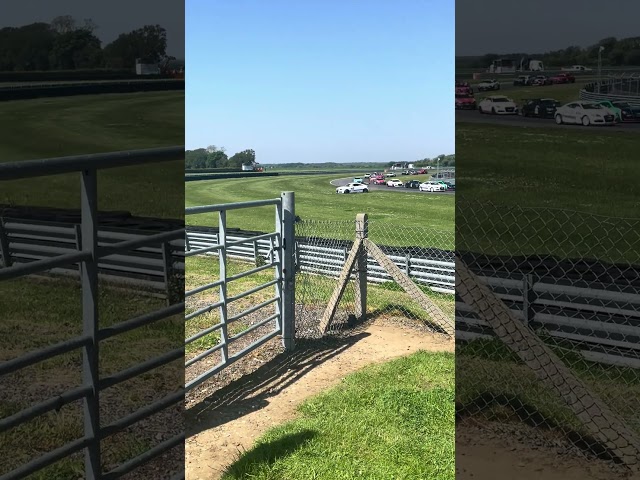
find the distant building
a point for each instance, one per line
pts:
(252, 167)
(146, 68)
(402, 166)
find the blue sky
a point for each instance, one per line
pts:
(315, 81)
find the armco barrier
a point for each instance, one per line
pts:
(24, 92)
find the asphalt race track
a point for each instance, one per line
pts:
(343, 181)
(473, 116)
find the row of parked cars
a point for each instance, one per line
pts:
(429, 186)
(582, 112)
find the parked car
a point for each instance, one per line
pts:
(395, 183)
(540, 107)
(463, 86)
(412, 184)
(465, 101)
(485, 85)
(353, 188)
(498, 105)
(430, 187)
(523, 80)
(367, 175)
(422, 171)
(391, 174)
(576, 68)
(629, 113)
(563, 78)
(585, 113)
(541, 80)
(405, 172)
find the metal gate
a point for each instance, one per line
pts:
(281, 257)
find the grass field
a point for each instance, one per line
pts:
(588, 173)
(62, 126)
(51, 313)
(564, 93)
(316, 200)
(394, 420)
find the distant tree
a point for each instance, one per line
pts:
(148, 43)
(242, 158)
(63, 24)
(76, 49)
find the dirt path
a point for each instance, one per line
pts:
(217, 435)
(485, 455)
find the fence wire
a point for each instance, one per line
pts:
(561, 349)
(424, 254)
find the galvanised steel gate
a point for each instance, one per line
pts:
(281, 258)
(88, 254)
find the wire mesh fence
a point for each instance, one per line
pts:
(548, 324)
(423, 255)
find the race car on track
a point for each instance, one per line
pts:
(430, 187)
(541, 80)
(464, 90)
(498, 105)
(540, 107)
(485, 85)
(584, 113)
(395, 183)
(463, 86)
(465, 101)
(378, 180)
(523, 80)
(563, 78)
(412, 184)
(353, 188)
(628, 112)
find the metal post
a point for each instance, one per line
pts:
(528, 298)
(256, 254)
(288, 270)
(167, 259)
(362, 231)
(407, 264)
(4, 245)
(222, 260)
(90, 354)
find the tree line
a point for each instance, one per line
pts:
(214, 157)
(67, 44)
(616, 53)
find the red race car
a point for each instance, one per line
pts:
(465, 101)
(563, 78)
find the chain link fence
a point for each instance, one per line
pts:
(424, 255)
(548, 325)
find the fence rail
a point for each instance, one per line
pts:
(88, 250)
(435, 271)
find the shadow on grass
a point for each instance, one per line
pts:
(252, 392)
(531, 416)
(267, 454)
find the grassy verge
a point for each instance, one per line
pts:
(62, 126)
(313, 291)
(394, 420)
(488, 369)
(316, 200)
(51, 313)
(564, 93)
(588, 173)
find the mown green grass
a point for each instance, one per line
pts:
(51, 313)
(316, 200)
(389, 421)
(63, 126)
(512, 182)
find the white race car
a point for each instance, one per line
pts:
(485, 85)
(498, 105)
(430, 187)
(395, 183)
(584, 113)
(353, 188)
